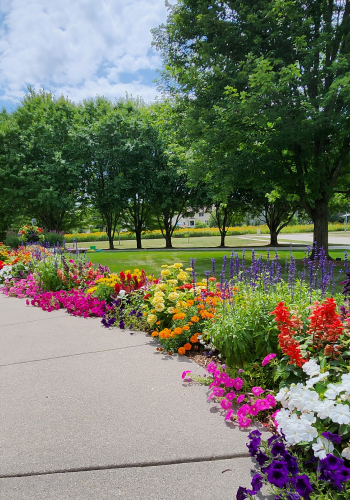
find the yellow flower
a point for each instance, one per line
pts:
(159, 307)
(180, 304)
(177, 265)
(172, 282)
(92, 289)
(160, 286)
(171, 310)
(164, 265)
(182, 276)
(159, 294)
(173, 296)
(188, 269)
(151, 319)
(165, 272)
(157, 300)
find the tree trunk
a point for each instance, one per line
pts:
(168, 243)
(222, 238)
(110, 240)
(138, 239)
(321, 225)
(273, 238)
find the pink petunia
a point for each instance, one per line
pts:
(225, 404)
(229, 415)
(257, 391)
(244, 422)
(185, 373)
(267, 359)
(230, 396)
(238, 383)
(240, 398)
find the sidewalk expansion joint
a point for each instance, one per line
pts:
(73, 355)
(127, 466)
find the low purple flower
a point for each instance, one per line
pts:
(277, 477)
(334, 438)
(242, 493)
(278, 448)
(261, 458)
(257, 482)
(253, 446)
(302, 485)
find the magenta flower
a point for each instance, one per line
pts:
(257, 391)
(185, 373)
(230, 396)
(243, 410)
(238, 383)
(229, 415)
(244, 422)
(225, 404)
(267, 359)
(240, 398)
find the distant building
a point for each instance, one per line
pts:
(191, 221)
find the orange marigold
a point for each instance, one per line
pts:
(194, 339)
(179, 316)
(194, 319)
(185, 327)
(181, 350)
(188, 346)
(155, 334)
(178, 331)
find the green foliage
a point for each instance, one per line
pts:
(46, 272)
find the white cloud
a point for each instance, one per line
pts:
(77, 47)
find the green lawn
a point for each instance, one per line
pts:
(151, 261)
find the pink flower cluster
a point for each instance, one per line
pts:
(26, 287)
(76, 302)
(222, 388)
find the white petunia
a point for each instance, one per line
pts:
(346, 453)
(340, 414)
(332, 391)
(323, 408)
(322, 447)
(311, 368)
(314, 380)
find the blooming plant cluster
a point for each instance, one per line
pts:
(77, 303)
(30, 232)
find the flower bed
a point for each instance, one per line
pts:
(282, 346)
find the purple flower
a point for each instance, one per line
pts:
(261, 458)
(278, 448)
(334, 438)
(302, 485)
(254, 434)
(331, 463)
(292, 463)
(242, 493)
(257, 483)
(253, 446)
(339, 476)
(277, 477)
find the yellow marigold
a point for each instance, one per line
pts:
(91, 290)
(171, 282)
(159, 307)
(173, 296)
(177, 265)
(151, 319)
(185, 327)
(178, 331)
(145, 314)
(165, 272)
(171, 310)
(181, 350)
(159, 294)
(194, 319)
(155, 334)
(181, 304)
(188, 347)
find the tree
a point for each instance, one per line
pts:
(100, 141)
(278, 74)
(278, 212)
(37, 158)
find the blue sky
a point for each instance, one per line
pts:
(78, 48)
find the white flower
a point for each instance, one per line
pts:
(323, 408)
(282, 397)
(308, 417)
(340, 414)
(346, 453)
(322, 447)
(332, 391)
(312, 381)
(121, 293)
(311, 368)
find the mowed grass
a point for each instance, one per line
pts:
(151, 261)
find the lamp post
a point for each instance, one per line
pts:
(33, 221)
(346, 220)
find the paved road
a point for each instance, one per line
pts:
(91, 413)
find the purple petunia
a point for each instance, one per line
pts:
(302, 485)
(334, 438)
(257, 482)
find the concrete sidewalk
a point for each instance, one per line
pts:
(92, 413)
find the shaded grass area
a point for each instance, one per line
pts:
(151, 261)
